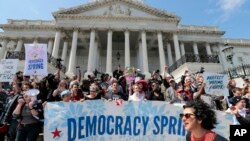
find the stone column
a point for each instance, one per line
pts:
(161, 52)
(65, 50)
(56, 44)
(72, 58)
(182, 49)
(3, 49)
(196, 52)
(95, 56)
(170, 57)
(91, 54)
(98, 59)
(176, 47)
(127, 49)
(19, 45)
(50, 46)
(145, 55)
(137, 58)
(195, 48)
(208, 49)
(109, 54)
(140, 57)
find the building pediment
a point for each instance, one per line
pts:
(116, 8)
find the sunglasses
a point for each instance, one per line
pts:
(187, 115)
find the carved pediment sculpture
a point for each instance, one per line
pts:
(117, 9)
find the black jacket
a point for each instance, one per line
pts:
(10, 107)
(244, 121)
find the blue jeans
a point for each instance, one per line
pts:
(28, 132)
(11, 134)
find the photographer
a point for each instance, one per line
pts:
(6, 117)
(29, 126)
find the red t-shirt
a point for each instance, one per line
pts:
(208, 136)
(78, 96)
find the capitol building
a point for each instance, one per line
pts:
(104, 34)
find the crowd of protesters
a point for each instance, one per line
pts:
(23, 113)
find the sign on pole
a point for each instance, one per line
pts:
(8, 69)
(36, 59)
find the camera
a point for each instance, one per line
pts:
(201, 70)
(58, 63)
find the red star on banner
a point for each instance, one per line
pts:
(56, 133)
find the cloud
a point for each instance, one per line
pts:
(228, 7)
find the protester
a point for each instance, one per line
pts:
(243, 120)
(65, 95)
(7, 117)
(171, 95)
(3, 102)
(231, 85)
(143, 87)
(115, 93)
(239, 104)
(154, 85)
(29, 126)
(199, 119)
(136, 96)
(93, 93)
(55, 89)
(156, 95)
(61, 87)
(76, 93)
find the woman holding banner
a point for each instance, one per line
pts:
(29, 126)
(199, 119)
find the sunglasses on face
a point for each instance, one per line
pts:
(187, 115)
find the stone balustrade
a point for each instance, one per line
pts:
(30, 22)
(195, 27)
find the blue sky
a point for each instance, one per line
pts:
(232, 16)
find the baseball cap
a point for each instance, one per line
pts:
(65, 92)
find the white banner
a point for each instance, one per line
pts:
(216, 84)
(99, 121)
(36, 59)
(8, 69)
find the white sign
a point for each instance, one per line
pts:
(8, 69)
(36, 59)
(216, 84)
(98, 120)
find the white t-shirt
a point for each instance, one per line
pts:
(137, 97)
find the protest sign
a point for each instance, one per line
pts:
(8, 69)
(36, 59)
(216, 84)
(100, 120)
